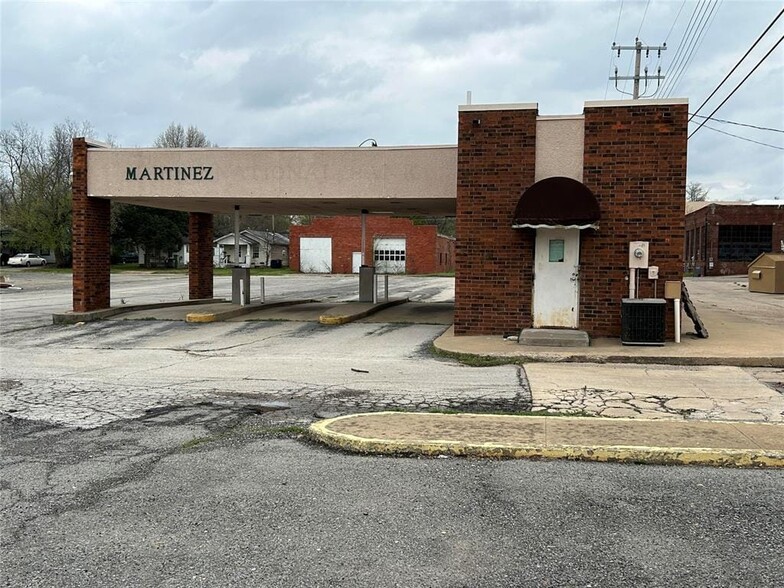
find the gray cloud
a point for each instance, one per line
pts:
(330, 73)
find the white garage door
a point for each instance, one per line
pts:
(315, 255)
(389, 255)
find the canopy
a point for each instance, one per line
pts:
(556, 202)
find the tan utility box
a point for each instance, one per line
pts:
(672, 290)
(766, 273)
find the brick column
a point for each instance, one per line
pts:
(91, 239)
(635, 164)
(496, 153)
(200, 237)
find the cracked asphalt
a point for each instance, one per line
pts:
(92, 374)
(89, 375)
(152, 453)
(221, 495)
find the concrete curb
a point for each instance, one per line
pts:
(341, 319)
(211, 317)
(715, 457)
(444, 346)
(71, 318)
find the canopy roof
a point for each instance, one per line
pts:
(556, 202)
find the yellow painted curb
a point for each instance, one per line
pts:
(741, 458)
(335, 319)
(200, 317)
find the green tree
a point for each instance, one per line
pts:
(35, 186)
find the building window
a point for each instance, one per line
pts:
(255, 251)
(390, 255)
(744, 242)
(557, 250)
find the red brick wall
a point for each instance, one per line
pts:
(346, 234)
(91, 240)
(635, 164)
(200, 236)
(445, 254)
(496, 153)
(703, 224)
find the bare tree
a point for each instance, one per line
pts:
(176, 136)
(159, 232)
(695, 192)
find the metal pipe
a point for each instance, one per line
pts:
(237, 235)
(363, 217)
(261, 279)
(677, 320)
(386, 287)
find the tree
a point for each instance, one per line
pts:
(159, 232)
(177, 137)
(695, 192)
(35, 189)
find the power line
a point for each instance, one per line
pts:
(647, 4)
(743, 138)
(730, 122)
(698, 43)
(739, 62)
(667, 38)
(688, 47)
(739, 85)
(681, 45)
(615, 36)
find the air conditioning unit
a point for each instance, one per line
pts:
(643, 321)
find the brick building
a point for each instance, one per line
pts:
(546, 209)
(722, 238)
(393, 245)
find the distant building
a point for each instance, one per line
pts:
(723, 238)
(392, 245)
(257, 249)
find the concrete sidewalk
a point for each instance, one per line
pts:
(596, 439)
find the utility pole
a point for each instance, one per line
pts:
(638, 48)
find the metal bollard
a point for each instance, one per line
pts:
(386, 287)
(261, 279)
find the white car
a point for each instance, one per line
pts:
(26, 259)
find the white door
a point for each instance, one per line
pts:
(556, 278)
(315, 255)
(389, 255)
(356, 261)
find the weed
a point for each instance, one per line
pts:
(291, 431)
(477, 360)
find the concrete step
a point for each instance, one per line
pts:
(554, 338)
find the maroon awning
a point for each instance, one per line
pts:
(556, 202)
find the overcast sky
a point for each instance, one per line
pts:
(294, 74)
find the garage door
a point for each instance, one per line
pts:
(389, 255)
(315, 255)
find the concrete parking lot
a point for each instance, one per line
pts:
(160, 453)
(90, 374)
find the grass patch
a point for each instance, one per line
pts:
(288, 431)
(120, 268)
(255, 271)
(48, 268)
(477, 360)
(524, 413)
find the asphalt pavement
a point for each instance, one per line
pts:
(212, 496)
